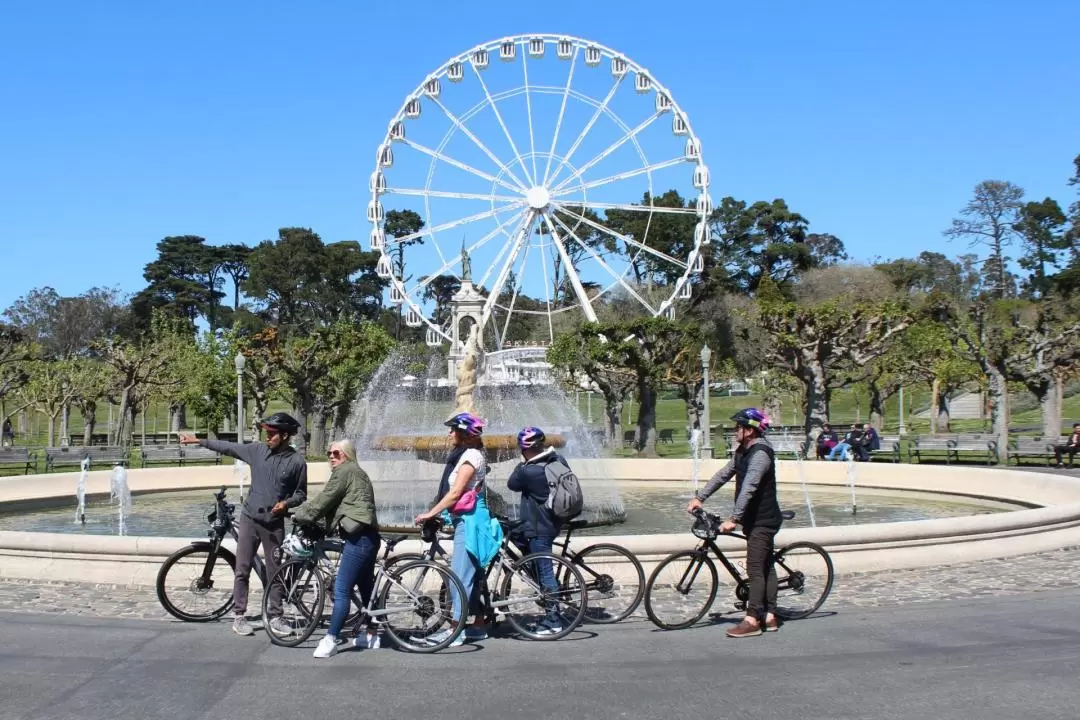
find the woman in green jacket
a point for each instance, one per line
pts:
(348, 500)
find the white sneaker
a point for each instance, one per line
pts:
(327, 647)
(367, 641)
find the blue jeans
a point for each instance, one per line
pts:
(356, 569)
(543, 566)
(841, 449)
(465, 567)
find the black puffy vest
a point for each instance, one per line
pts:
(764, 508)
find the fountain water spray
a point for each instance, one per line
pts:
(851, 481)
(80, 492)
(120, 493)
(801, 461)
(695, 458)
(240, 470)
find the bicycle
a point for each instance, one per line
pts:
(195, 565)
(304, 582)
(601, 565)
(671, 588)
(518, 595)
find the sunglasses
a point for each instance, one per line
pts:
(334, 454)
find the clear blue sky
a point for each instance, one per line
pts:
(124, 122)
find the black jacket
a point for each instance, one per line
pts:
(530, 479)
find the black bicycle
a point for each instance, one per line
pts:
(684, 585)
(510, 587)
(613, 576)
(202, 573)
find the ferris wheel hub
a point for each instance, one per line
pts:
(539, 197)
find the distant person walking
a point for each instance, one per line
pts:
(8, 433)
(278, 482)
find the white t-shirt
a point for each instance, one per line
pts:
(473, 457)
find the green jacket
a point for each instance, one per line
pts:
(347, 499)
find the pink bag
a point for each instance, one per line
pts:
(465, 503)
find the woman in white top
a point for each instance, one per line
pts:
(476, 534)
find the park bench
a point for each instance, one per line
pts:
(18, 457)
(197, 454)
(930, 448)
(59, 457)
(1030, 448)
(794, 446)
(628, 438)
(970, 445)
(890, 449)
(102, 456)
(667, 435)
(161, 454)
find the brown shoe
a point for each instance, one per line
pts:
(744, 629)
(772, 626)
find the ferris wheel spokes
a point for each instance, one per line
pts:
(608, 150)
(517, 288)
(562, 112)
(502, 124)
(619, 277)
(454, 223)
(627, 240)
(643, 208)
(455, 195)
(528, 114)
(456, 260)
(458, 164)
(621, 176)
(520, 238)
(476, 141)
(571, 273)
(588, 126)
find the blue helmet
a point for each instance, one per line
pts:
(530, 437)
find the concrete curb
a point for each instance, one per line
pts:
(1053, 522)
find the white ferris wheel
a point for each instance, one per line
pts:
(545, 160)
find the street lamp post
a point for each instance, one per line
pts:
(903, 430)
(588, 403)
(706, 356)
(239, 361)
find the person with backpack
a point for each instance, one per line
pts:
(757, 510)
(542, 479)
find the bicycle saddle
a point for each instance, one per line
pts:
(788, 514)
(391, 542)
(578, 523)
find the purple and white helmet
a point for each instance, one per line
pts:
(753, 418)
(466, 423)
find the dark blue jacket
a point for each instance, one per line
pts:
(530, 479)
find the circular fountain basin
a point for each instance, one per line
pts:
(650, 508)
(970, 513)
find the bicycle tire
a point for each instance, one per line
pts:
(401, 559)
(296, 578)
(571, 595)
(174, 561)
(655, 605)
(788, 579)
(424, 584)
(599, 584)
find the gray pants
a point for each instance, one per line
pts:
(250, 535)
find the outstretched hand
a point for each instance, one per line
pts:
(693, 505)
(187, 438)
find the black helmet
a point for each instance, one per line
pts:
(282, 422)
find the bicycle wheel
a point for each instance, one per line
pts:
(400, 560)
(804, 578)
(414, 605)
(526, 604)
(199, 576)
(614, 580)
(677, 595)
(302, 589)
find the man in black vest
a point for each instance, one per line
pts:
(757, 510)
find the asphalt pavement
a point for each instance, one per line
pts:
(971, 660)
